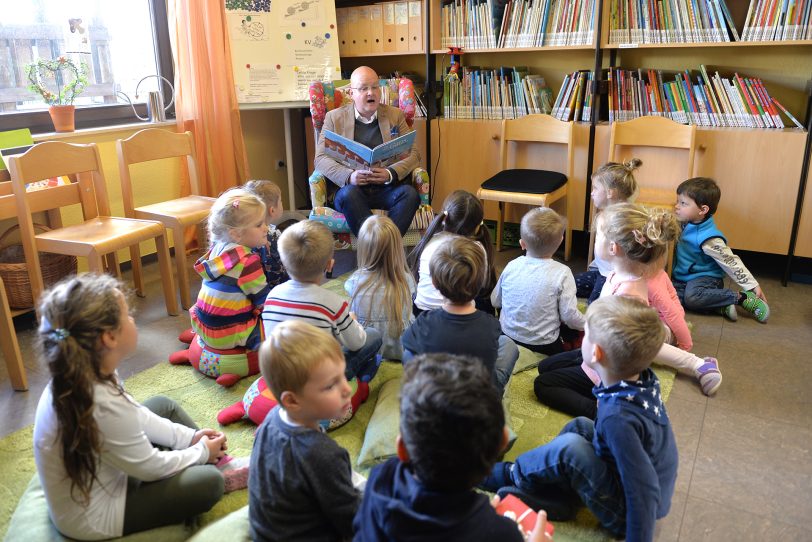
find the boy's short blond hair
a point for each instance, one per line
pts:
(266, 190)
(457, 268)
(541, 230)
(629, 332)
(305, 249)
(290, 353)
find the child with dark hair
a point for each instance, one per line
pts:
(452, 429)
(458, 271)
(703, 258)
(623, 465)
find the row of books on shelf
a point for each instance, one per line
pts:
(708, 101)
(489, 24)
(669, 21)
(494, 93)
(770, 20)
(574, 101)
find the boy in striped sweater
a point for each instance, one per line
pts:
(306, 249)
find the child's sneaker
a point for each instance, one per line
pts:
(756, 306)
(709, 376)
(729, 312)
(234, 471)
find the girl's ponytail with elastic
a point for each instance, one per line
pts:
(413, 259)
(75, 313)
(619, 178)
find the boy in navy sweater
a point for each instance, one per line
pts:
(452, 429)
(623, 465)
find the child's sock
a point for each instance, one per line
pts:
(710, 378)
(235, 472)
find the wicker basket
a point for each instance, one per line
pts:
(14, 271)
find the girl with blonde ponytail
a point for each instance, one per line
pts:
(611, 183)
(93, 443)
(634, 239)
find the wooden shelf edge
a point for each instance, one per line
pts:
(393, 53)
(699, 44)
(17, 312)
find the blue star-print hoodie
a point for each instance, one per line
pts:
(633, 432)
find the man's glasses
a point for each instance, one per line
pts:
(367, 88)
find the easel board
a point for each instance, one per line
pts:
(278, 48)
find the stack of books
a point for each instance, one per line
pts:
(494, 93)
(574, 101)
(671, 21)
(775, 20)
(708, 101)
(490, 24)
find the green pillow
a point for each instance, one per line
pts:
(383, 427)
(233, 527)
(527, 360)
(31, 521)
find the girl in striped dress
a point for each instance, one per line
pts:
(234, 287)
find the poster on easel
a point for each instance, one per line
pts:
(278, 47)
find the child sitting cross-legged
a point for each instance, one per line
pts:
(703, 258)
(536, 293)
(452, 429)
(301, 483)
(306, 249)
(457, 271)
(382, 287)
(622, 466)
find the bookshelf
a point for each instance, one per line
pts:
(758, 168)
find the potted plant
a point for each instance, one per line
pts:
(58, 81)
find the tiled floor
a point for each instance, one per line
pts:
(745, 455)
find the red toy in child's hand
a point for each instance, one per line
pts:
(512, 507)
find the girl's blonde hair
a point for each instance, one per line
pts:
(619, 177)
(462, 214)
(268, 191)
(235, 208)
(75, 313)
(381, 254)
(642, 233)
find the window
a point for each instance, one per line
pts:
(120, 43)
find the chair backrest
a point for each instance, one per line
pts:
(44, 161)
(653, 132)
(537, 129)
(154, 144)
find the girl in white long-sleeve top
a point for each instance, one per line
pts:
(94, 445)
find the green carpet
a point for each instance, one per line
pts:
(202, 398)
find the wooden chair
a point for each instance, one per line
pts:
(9, 345)
(651, 132)
(177, 214)
(100, 235)
(531, 186)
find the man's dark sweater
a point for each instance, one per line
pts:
(300, 486)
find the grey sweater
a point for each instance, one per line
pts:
(300, 486)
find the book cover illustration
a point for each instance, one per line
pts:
(358, 156)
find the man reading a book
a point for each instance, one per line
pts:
(370, 123)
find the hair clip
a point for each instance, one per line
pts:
(640, 238)
(59, 334)
(235, 204)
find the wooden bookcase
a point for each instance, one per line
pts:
(757, 169)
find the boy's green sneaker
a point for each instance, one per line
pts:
(729, 312)
(757, 307)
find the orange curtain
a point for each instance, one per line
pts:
(206, 100)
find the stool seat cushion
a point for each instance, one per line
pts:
(528, 181)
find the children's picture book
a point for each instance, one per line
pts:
(357, 156)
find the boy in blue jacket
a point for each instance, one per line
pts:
(703, 258)
(452, 429)
(623, 465)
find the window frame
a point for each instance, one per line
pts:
(95, 116)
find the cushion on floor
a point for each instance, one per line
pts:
(31, 522)
(530, 181)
